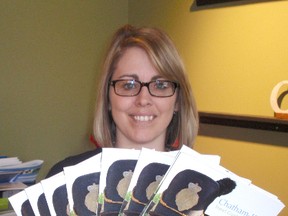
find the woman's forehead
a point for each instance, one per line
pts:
(136, 63)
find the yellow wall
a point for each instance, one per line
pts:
(50, 52)
(235, 56)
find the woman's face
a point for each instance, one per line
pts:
(142, 120)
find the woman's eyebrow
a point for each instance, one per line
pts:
(136, 77)
(157, 77)
(133, 76)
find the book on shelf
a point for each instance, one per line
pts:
(14, 170)
(146, 182)
(15, 176)
(9, 161)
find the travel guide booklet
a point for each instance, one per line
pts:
(21, 204)
(33, 194)
(149, 171)
(82, 184)
(117, 168)
(55, 192)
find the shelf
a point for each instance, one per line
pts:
(243, 121)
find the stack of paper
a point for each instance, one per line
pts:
(146, 182)
(14, 170)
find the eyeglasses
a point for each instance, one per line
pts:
(156, 88)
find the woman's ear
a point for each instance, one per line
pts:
(176, 106)
(109, 105)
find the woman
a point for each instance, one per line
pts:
(145, 99)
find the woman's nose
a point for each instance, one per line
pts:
(144, 97)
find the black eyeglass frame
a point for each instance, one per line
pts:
(146, 84)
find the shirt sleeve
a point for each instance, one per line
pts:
(72, 160)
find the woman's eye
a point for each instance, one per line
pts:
(161, 85)
(129, 85)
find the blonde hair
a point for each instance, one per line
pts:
(165, 58)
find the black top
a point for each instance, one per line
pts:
(72, 160)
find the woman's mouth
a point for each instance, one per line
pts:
(144, 118)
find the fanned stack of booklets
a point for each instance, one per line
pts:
(146, 182)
